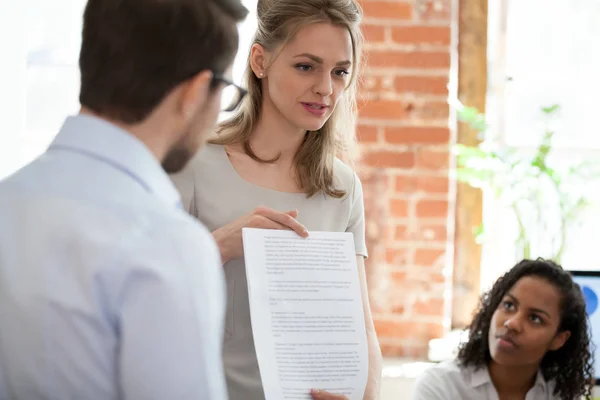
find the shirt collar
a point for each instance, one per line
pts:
(106, 142)
(481, 376)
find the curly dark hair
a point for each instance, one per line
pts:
(571, 366)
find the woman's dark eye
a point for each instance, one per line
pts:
(536, 319)
(508, 305)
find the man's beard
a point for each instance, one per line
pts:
(184, 150)
(177, 158)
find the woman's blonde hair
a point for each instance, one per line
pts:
(278, 22)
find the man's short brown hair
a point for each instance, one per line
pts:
(134, 52)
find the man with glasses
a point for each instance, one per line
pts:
(108, 290)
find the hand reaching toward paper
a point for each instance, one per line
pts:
(229, 237)
(323, 395)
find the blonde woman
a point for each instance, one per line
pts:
(274, 164)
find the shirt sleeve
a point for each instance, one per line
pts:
(356, 223)
(171, 317)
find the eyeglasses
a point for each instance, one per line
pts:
(231, 95)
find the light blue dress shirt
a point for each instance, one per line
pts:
(107, 289)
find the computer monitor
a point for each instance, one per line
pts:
(589, 281)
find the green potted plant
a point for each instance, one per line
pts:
(545, 197)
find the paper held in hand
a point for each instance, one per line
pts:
(306, 312)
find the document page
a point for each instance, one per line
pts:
(306, 312)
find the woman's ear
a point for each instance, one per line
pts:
(559, 340)
(258, 60)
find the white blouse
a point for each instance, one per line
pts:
(449, 381)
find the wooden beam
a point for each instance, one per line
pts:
(472, 87)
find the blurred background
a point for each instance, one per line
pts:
(478, 146)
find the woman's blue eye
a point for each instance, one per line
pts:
(304, 67)
(341, 72)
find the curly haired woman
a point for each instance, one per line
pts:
(529, 340)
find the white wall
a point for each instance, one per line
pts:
(39, 75)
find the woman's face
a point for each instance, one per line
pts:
(304, 82)
(525, 325)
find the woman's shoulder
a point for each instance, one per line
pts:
(443, 370)
(444, 380)
(345, 177)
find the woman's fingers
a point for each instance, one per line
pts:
(285, 219)
(323, 395)
(267, 223)
(293, 213)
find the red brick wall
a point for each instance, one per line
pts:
(404, 135)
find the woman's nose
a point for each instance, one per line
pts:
(514, 323)
(324, 87)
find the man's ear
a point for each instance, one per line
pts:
(195, 93)
(559, 340)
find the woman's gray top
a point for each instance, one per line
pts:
(216, 194)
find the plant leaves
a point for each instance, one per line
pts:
(551, 109)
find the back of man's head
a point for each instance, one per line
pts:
(134, 52)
